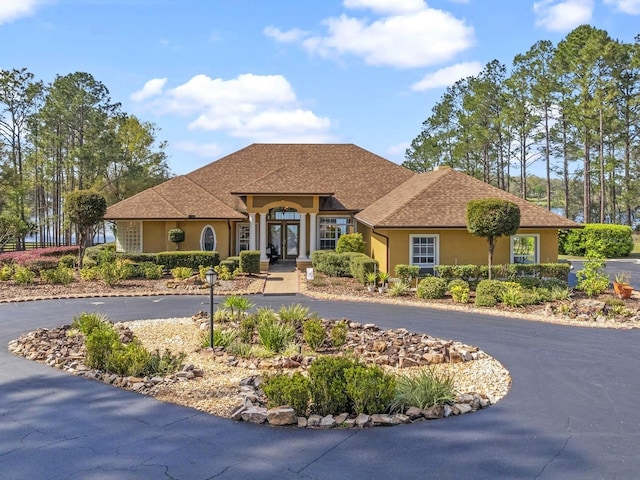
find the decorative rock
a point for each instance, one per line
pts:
(327, 422)
(413, 413)
(463, 408)
(302, 422)
(283, 415)
(383, 419)
(362, 420)
(237, 412)
(313, 420)
(255, 415)
(433, 413)
(340, 419)
(447, 411)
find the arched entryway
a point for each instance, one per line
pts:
(283, 233)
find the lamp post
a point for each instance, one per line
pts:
(211, 277)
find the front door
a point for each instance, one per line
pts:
(284, 237)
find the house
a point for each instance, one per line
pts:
(298, 198)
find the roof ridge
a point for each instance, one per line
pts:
(156, 190)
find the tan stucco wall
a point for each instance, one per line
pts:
(155, 235)
(455, 246)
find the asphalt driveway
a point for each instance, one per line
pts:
(571, 413)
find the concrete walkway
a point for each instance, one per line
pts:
(282, 279)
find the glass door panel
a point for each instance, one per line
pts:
(275, 237)
(292, 240)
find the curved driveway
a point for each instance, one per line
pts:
(572, 412)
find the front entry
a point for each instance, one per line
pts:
(283, 235)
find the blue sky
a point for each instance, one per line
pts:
(217, 75)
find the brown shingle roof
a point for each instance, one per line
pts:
(439, 199)
(355, 177)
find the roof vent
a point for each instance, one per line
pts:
(441, 167)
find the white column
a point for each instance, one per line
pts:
(263, 238)
(302, 237)
(252, 231)
(313, 233)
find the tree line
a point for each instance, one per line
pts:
(573, 108)
(64, 136)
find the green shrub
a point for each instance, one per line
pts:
(423, 389)
(528, 283)
(406, 273)
(58, 276)
(233, 263)
(68, 261)
(292, 390)
(6, 272)
(150, 270)
(469, 273)
(247, 328)
(331, 263)
(191, 259)
(431, 288)
(90, 273)
(293, 314)
(457, 282)
(550, 283)
(240, 349)
(512, 295)
(86, 323)
(607, 240)
(275, 335)
(591, 279)
(138, 257)
(250, 261)
(329, 386)
(164, 363)
(314, 333)
(131, 359)
(350, 242)
(23, 275)
(181, 273)
(339, 333)
(488, 292)
(100, 344)
(460, 293)
(176, 235)
(112, 273)
(369, 389)
(360, 266)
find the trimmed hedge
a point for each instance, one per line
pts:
(250, 261)
(331, 263)
(513, 271)
(606, 239)
(361, 265)
(138, 257)
(192, 259)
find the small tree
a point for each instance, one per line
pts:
(176, 235)
(492, 218)
(350, 242)
(85, 209)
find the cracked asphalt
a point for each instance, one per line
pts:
(572, 412)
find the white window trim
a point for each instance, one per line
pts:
(238, 227)
(537, 249)
(436, 256)
(215, 238)
(350, 223)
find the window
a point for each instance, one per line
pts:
(243, 233)
(524, 248)
(208, 239)
(129, 237)
(424, 250)
(331, 228)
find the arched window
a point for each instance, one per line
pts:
(208, 239)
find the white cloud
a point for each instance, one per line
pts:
(412, 40)
(387, 6)
(631, 7)
(447, 76)
(250, 106)
(563, 15)
(152, 88)
(398, 150)
(11, 10)
(206, 150)
(293, 35)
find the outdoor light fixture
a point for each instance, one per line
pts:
(211, 277)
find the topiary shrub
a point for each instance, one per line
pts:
(431, 288)
(176, 235)
(250, 261)
(350, 242)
